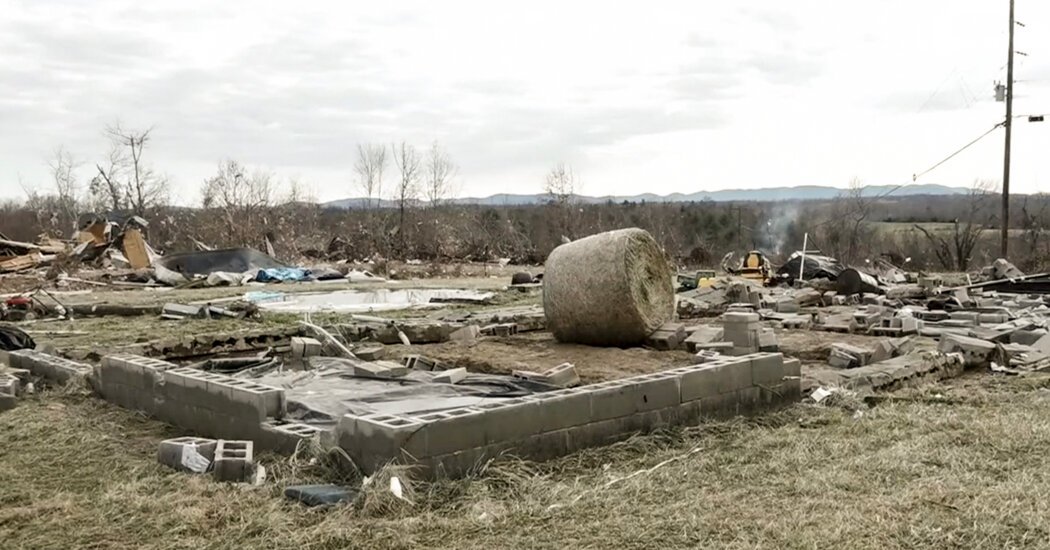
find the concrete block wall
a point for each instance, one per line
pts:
(552, 424)
(209, 404)
(50, 367)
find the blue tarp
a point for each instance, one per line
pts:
(282, 274)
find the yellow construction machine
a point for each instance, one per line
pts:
(754, 265)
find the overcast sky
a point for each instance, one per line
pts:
(638, 97)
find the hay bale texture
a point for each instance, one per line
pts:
(609, 289)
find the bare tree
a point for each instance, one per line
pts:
(371, 161)
(956, 251)
(409, 167)
(299, 192)
(243, 198)
(440, 171)
(145, 189)
(561, 184)
(106, 188)
(847, 227)
(62, 165)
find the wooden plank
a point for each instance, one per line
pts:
(19, 263)
(135, 249)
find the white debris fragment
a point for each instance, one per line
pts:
(820, 394)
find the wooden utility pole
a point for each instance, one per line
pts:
(1009, 126)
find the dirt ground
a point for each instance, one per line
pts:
(538, 351)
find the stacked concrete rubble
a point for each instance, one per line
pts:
(745, 332)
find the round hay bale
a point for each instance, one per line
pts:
(609, 289)
(521, 278)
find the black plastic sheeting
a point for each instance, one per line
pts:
(234, 260)
(14, 339)
(816, 267)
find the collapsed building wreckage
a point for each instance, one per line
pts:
(369, 384)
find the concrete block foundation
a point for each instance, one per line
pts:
(547, 425)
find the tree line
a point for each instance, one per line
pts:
(406, 214)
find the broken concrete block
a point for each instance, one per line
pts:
(501, 329)
(180, 311)
(861, 355)
(883, 350)
(421, 362)
(465, 335)
(451, 376)
(285, 436)
(234, 460)
(370, 352)
(930, 282)
(707, 356)
(379, 369)
(305, 347)
(975, 352)
(767, 341)
(665, 340)
(181, 453)
(702, 335)
(842, 360)
(562, 376)
(7, 402)
(9, 384)
(526, 375)
(787, 305)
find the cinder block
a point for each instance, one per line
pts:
(613, 399)
(268, 400)
(451, 376)
(305, 347)
(501, 329)
(792, 367)
(379, 369)
(721, 406)
(7, 402)
(749, 400)
(420, 362)
(234, 460)
(56, 369)
(370, 352)
(458, 464)
(741, 336)
(767, 340)
(562, 376)
(506, 420)
(564, 409)
(740, 317)
(169, 452)
(372, 440)
(458, 429)
(285, 437)
(767, 369)
(9, 384)
(715, 378)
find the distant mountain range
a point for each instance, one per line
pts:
(802, 192)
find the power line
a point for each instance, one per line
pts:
(960, 150)
(942, 161)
